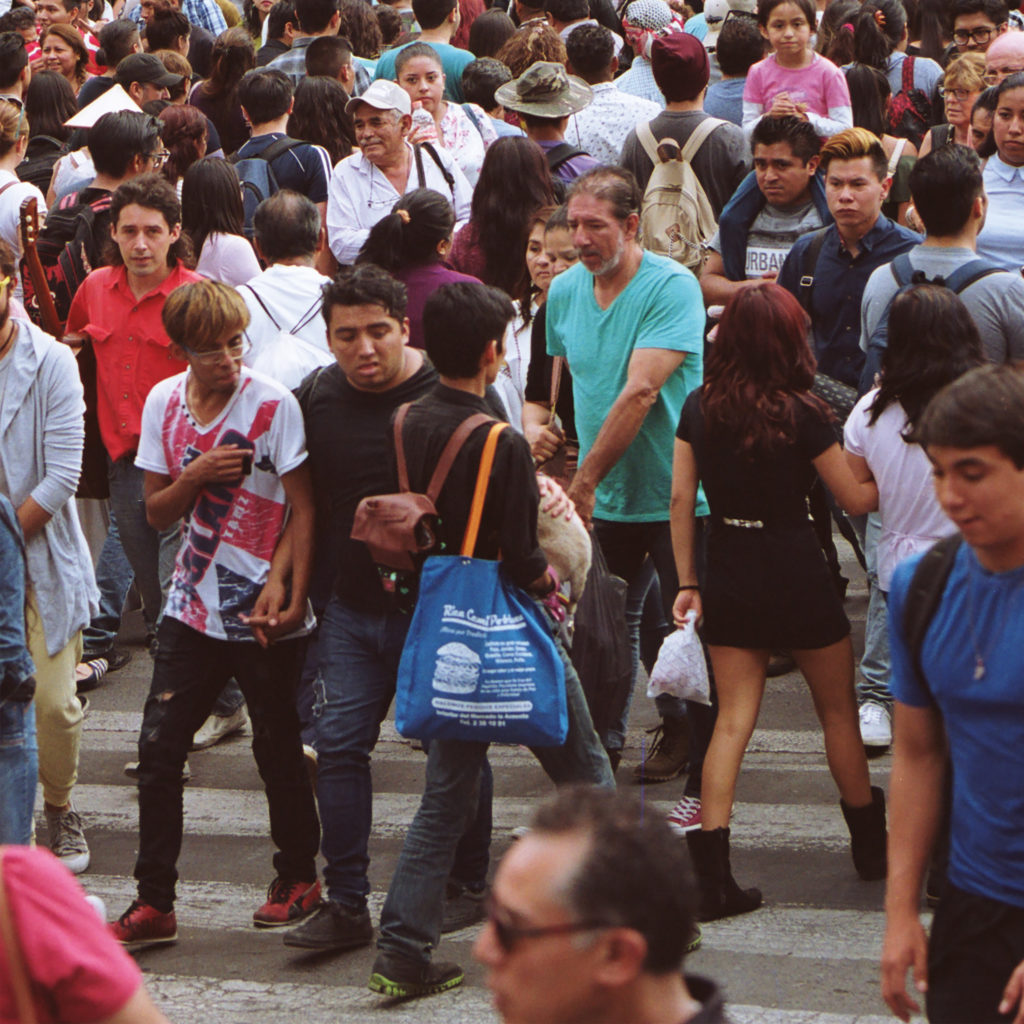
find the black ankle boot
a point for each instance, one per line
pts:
(720, 896)
(868, 836)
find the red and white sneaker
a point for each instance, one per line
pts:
(685, 816)
(144, 925)
(287, 902)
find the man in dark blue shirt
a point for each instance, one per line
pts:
(856, 185)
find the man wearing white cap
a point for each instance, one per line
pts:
(366, 185)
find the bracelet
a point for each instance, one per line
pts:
(689, 586)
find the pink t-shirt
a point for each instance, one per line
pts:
(78, 971)
(821, 85)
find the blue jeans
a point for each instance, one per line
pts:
(875, 666)
(114, 578)
(18, 770)
(359, 656)
(410, 923)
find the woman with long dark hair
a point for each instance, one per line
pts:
(49, 102)
(319, 116)
(214, 220)
(756, 438)
(254, 14)
(411, 243)
(933, 340)
(514, 184)
(217, 97)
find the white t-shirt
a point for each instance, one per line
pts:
(227, 258)
(911, 517)
(232, 530)
(10, 215)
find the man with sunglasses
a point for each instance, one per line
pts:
(223, 449)
(589, 919)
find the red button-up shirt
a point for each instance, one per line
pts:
(132, 348)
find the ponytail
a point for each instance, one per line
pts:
(410, 234)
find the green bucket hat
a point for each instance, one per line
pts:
(545, 89)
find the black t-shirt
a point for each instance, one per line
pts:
(351, 456)
(538, 377)
(770, 485)
(508, 526)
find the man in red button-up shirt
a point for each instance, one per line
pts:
(118, 308)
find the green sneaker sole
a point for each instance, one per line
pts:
(401, 990)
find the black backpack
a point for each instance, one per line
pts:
(257, 177)
(37, 167)
(557, 156)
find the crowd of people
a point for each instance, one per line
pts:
(735, 278)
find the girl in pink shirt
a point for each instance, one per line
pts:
(794, 80)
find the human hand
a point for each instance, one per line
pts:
(272, 617)
(686, 601)
(905, 946)
(1013, 994)
(75, 341)
(783, 106)
(544, 441)
(554, 501)
(583, 497)
(220, 465)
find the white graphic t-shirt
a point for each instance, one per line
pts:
(232, 530)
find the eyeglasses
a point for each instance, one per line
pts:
(961, 94)
(159, 157)
(977, 35)
(510, 935)
(236, 349)
(996, 75)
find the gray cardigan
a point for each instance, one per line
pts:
(42, 432)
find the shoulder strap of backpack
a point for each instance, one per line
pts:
(810, 263)
(444, 463)
(646, 138)
(964, 276)
(907, 77)
(263, 305)
(446, 174)
(925, 595)
(560, 153)
(902, 270)
(467, 109)
(277, 147)
(4, 188)
(483, 477)
(699, 136)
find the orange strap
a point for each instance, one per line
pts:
(15, 964)
(483, 476)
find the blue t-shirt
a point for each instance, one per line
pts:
(724, 99)
(983, 718)
(661, 307)
(453, 63)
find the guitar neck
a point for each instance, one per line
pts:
(51, 322)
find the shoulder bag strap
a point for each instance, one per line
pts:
(403, 469)
(810, 263)
(907, 77)
(476, 510)
(451, 449)
(445, 173)
(19, 976)
(646, 138)
(698, 137)
(263, 305)
(556, 384)
(4, 188)
(924, 595)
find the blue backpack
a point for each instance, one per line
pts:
(905, 275)
(257, 177)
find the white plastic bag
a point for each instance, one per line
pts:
(681, 669)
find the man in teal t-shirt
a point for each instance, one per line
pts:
(631, 327)
(439, 21)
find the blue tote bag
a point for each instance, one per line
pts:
(479, 661)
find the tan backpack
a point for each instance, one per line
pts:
(676, 218)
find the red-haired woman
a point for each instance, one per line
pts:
(755, 437)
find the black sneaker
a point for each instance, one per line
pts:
(463, 907)
(404, 979)
(332, 928)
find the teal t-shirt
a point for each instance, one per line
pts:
(661, 307)
(453, 63)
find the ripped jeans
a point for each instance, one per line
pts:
(190, 671)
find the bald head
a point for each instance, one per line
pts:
(1004, 57)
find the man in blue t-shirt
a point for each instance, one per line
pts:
(964, 692)
(630, 325)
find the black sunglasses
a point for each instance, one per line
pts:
(510, 935)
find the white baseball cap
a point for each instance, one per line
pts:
(382, 95)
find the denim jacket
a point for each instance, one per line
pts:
(42, 433)
(739, 213)
(16, 668)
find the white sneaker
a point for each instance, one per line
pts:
(875, 725)
(67, 839)
(219, 727)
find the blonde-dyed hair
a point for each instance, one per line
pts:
(198, 315)
(854, 144)
(965, 71)
(13, 124)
